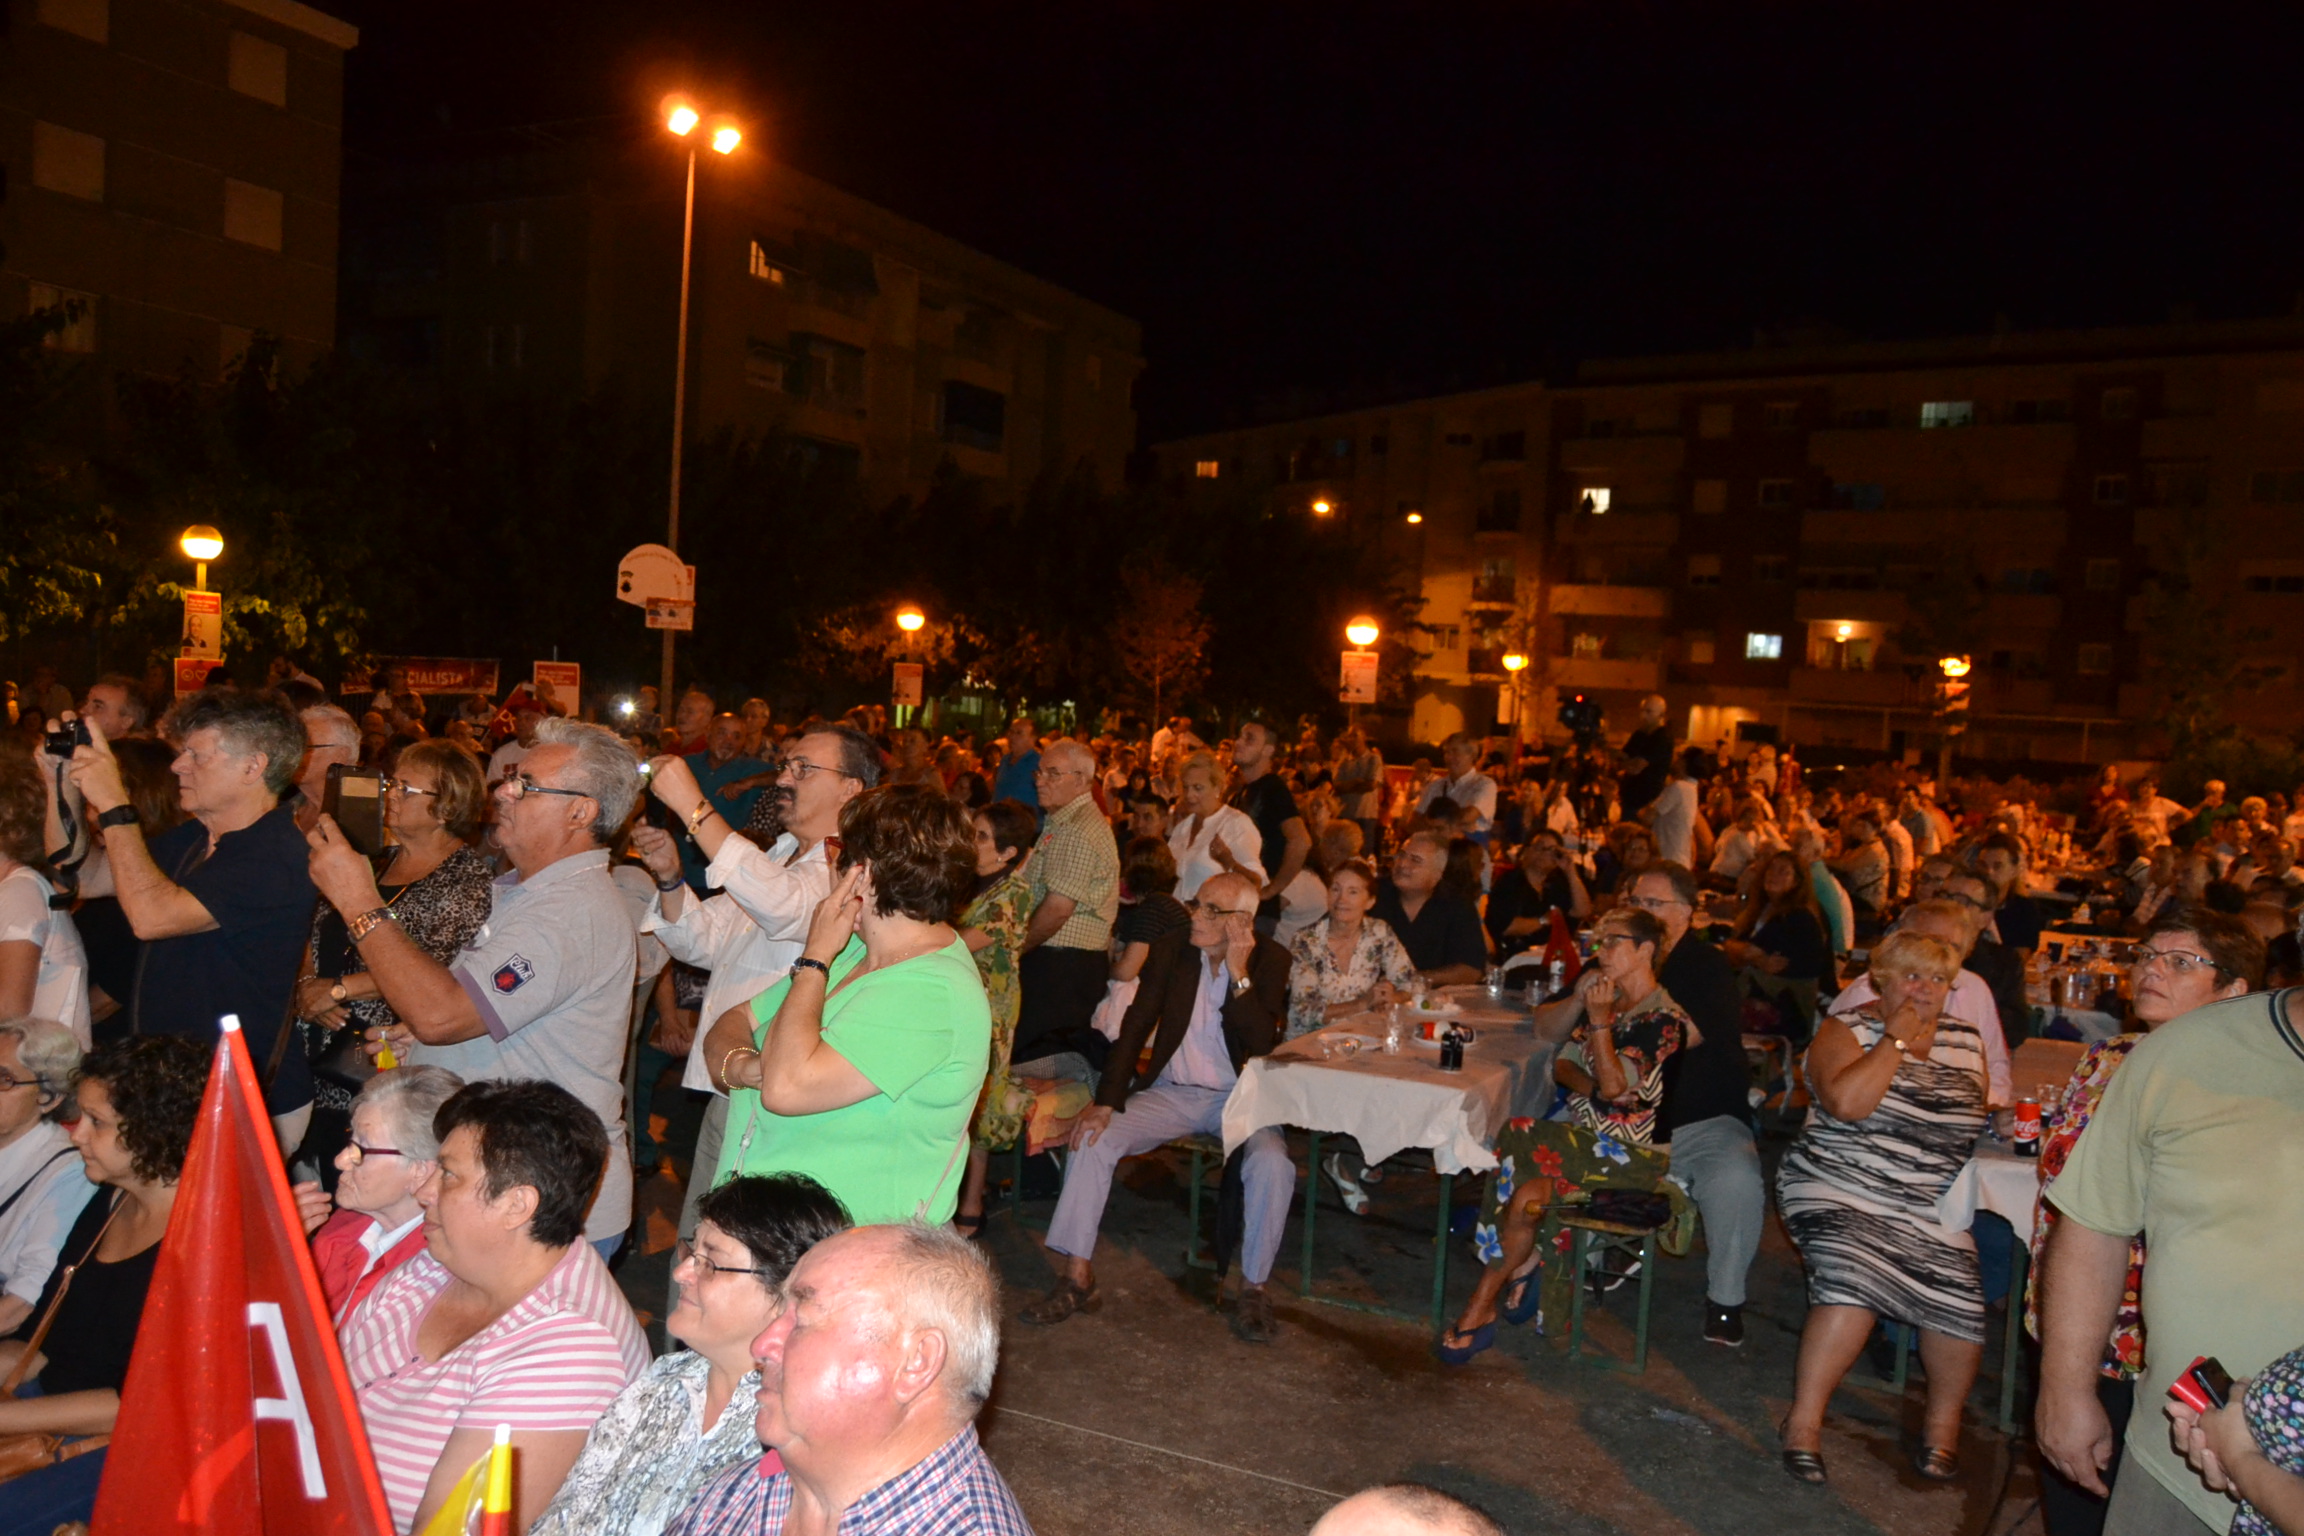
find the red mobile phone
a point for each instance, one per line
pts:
(2204, 1387)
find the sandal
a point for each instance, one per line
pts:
(1531, 1298)
(1477, 1340)
(1936, 1464)
(1064, 1299)
(1801, 1466)
(1355, 1198)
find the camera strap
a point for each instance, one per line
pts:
(66, 873)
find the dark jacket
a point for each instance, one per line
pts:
(1162, 1013)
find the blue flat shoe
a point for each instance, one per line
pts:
(1477, 1340)
(1531, 1302)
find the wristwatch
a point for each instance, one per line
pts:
(118, 816)
(671, 885)
(336, 991)
(1892, 1040)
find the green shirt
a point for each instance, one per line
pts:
(922, 1032)
(2199, 1145)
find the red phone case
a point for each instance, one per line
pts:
(2189, 1390)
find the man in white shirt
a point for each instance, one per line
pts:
(1672, 814)
(527, 714)
(1464, 785)
(750, 932)
(43, 1184)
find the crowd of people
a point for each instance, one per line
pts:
(879, 953)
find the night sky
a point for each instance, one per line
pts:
(1312, 205)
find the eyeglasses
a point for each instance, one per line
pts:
(1607, 939)
(798, 769)
(10, 1081)
(1656, 903)
(520, 787)
(403, 787)
(688, 1253)
(1210, 909)
(361, 1154)
(2182, 961)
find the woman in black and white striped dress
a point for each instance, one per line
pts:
(1900, 1098)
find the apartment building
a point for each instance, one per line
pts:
(171, 167)
(548, 259)
(1784, 542)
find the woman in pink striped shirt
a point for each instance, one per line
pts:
(508, 1317)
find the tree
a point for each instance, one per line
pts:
(2198, 655)
(1159, 632)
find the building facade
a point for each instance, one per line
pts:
(550, 261)
(171, 174)
(1786, 542)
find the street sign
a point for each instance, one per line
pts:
(429, 674)
(565, 679)
(652, 571)
(1357, 684)
(671, 613)
(909, 675)
(203, 626)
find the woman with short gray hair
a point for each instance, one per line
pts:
(392, 1151)
(42, 1184)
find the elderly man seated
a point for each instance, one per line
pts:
(1210, 999)
(870, 1382)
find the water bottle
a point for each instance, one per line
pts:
(1495, 983)
(1559, 983)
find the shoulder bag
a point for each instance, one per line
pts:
(30, 1450)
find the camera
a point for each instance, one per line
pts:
(71, 732)
(1582, 715)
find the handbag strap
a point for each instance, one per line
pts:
(48, 1317)
(54, 1158)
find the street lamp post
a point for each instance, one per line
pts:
(1516, 662)
(1955, 714)
(910, 619)
(1362, 631)
(682, 119)
(200, 544)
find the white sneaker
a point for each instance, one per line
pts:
(1355, 1198)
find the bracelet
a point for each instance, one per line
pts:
(671, 885)
(696, 816)
(366, 923)
(818, 966)
(118, 816)
(733, 1052)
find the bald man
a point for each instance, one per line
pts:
(1405, 1509)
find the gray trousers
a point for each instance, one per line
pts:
(1718, 1163)
(2142, 1506)
(1154, 1117)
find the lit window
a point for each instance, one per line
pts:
(766, 268)
(1592, 499)
(79, 331)
(1760, 647)
(1587, 647)
(1207, 469)
(1948, 413)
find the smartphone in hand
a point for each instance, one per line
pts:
(2204, 1387)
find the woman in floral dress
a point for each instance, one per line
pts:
(993, 927)
(2190, 957)
(1605, 1138)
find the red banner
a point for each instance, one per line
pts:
(430, 674)
(238, 1413)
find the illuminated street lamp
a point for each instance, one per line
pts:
(1954, 666)
(1845, 631)
(1362, 631)
(1322, 506)
(682, 119)
(909, 619)
(200, 544)
(1514, 662)
(1415, 518)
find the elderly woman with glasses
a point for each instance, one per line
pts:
(45, 1190)
(2189, 958)
(690, 1415)
(1900, 1098)
(437, 889)
(1623, 1029)
(377, 1225)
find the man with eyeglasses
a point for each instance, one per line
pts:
(1075, 876)
(333, 737)
(750, 931)
(1210, 999)
(2195, 1147)
(1706, 1115)
(1439, 929)
(544, 990)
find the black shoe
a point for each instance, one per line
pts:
(1723, 1325)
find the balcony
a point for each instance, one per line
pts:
(1607, 601)
(1938, 527)
(1495, 592)
(1884, 689)
(1594, 672)
(1902, 457)
(1485, 664)
(1604, 458)
(1824, 607)
(1659, 530)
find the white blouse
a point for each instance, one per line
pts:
(1194, 863)
(60, 991)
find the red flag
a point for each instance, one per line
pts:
(238, 1412)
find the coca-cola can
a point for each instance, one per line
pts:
(2027, 1138)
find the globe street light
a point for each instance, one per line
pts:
(909, 619)
(682, 119)
(200, 544)
(1322, 506)
(1954, 666)
(1362, 631)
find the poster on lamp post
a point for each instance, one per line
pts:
(1358, 679)
(560, 682)
(203, 627)
(671, 613)
(908, 686)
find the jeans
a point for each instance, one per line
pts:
(1154, 1117)
(36, 1503)
(1718, 1163)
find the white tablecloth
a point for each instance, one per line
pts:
(1391, 1102)
(1995, 1180)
